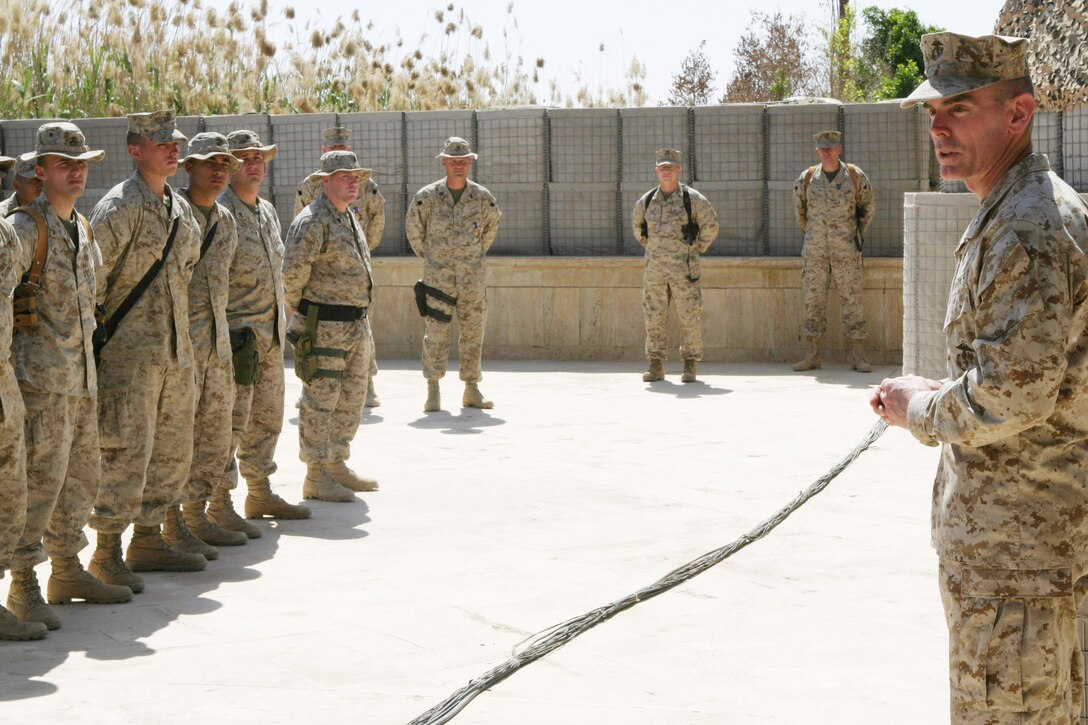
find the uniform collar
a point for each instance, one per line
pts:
(1030, 164)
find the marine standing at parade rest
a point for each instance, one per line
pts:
(369, 211)
(834, 203)
(209, 165)
(676, 224)
(327, 276)
(1010, 502)
(451, 224)
(257, 326)
(149, 242)
(53, 354)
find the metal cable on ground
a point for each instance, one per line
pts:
(555, 637)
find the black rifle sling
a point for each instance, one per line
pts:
(134, 296)
(207, 241)
(649, 197)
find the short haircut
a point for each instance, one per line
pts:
(133, 139)
(1017, 86)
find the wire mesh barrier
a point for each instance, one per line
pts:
(546, 641)
(567, 179)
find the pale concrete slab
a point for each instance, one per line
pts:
(581, 486)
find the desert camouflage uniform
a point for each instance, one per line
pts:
(56, 372)
(827, 216)
(145, 379)
(12, 450)
(327, 262)
(672, 268)
(212, 363)
(1010, 502)
(453, 239)
(256, 301)
(369, 211)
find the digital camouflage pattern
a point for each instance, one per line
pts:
(56, 372)
(1010, 499)
(12, 449)
(827, 215)
(145, 381)
(369, 208)
(453, 239)
(256, 301)
(159, 126)
(327, 262)
(1010, 492)
(213, 369)
(958, 63)
(8, 205)
(672, 268)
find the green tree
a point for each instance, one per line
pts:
(891, 52)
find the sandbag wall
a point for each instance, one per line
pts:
(567, 179)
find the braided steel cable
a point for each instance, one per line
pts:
(548, 640)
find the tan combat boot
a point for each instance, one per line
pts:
(108, 565)
(25, 599)
(812, 360)
(221, 511)
(149, 551)
(473, 398)
(177, 534)
(197, 521)
(341, 474)
(319, 485)
(71, 581)
(656, 371)
(13, 630)
(434, 398)
(858, 358)
(372, 399)
(260, 502)
(689, 371)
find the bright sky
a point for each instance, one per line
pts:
(567, 34)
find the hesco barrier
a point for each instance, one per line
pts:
(567, 180)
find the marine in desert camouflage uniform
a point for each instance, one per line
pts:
(451, 224)
(1010, 502)
(327, 277)
(834, 205)
(369, 211)
(26, 183)
(54, 362)
(660, 223)
(145, 371)
(255, 306)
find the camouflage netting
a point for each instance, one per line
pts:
(1058, 57)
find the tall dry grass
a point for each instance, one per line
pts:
(93, 58)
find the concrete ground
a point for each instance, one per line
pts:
(581, 486)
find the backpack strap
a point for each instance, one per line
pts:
(646, 199)
(41, 252)
(854, 178)
(687, 202)
(808, 179)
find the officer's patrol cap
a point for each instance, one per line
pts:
(827, 139)
(340, 162)
(159, 126)
(6, 164)
(456, 148)
(26, 168)
(245, 140)
(665, 157)
(62, 138)
(957, 63)
(336, 136)
(209, 144)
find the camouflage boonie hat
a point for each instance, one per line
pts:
(456, 148)
(205, 145)
(668, 156)
(6, 163)
(827, 139)
(159, 126)
(336, 136)
(62, 138)
(957, 63)
(244, 140)
(335, 162)
(26, 168)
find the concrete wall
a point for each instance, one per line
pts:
(565, 308)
